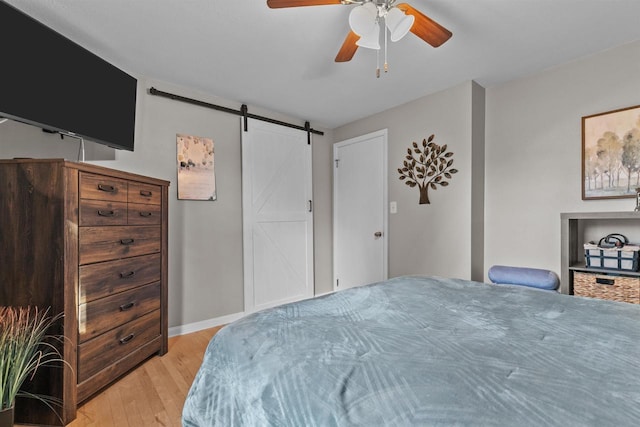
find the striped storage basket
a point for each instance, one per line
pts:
(624, 258)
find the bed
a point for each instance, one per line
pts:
(424, 351)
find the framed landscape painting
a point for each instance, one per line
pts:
(196, 173)
(611, 154)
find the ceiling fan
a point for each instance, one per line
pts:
(364, 21)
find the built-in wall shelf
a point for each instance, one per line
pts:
(579, 228)
(583, 267)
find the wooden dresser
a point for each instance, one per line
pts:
(90, 242)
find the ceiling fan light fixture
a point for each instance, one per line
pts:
(398, 23)
(363, 18)
(371, 40)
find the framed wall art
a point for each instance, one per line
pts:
(196, 172)
(611, 154)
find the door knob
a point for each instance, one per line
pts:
(377, 234)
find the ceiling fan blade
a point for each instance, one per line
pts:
(426, 28)
(276, 4)
(348, 48)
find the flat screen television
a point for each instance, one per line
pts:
(49, 81)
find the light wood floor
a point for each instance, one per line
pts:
(152, 394)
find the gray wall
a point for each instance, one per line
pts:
(22, 140)
(434, 239)
(517, 146)
(533, 152)
(205, 238)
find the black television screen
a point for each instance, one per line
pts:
(49, 81)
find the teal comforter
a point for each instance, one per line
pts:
(425, 351)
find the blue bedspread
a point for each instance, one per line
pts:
(425, 351)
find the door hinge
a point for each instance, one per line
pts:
(337, 282)
(310, 206)
(337, 161)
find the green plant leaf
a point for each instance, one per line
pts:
(24, 347)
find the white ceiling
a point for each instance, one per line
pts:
(283, 59)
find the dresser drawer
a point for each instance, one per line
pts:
(100, 187)
(144, 193)
(102, 212)
(111, 277)
(139, 214)
(104, 314)
(108, 243)
(106, 349)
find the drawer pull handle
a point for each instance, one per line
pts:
(603, 281)
(126, 241)
(127, 306)
(106, 213)
(127, 275)
(126, 339)
(107, 188)
(145, 193)
(146, 214)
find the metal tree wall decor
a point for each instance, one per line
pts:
(427, 167)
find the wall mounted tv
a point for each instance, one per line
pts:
(49, 81)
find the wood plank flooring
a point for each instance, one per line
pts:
(152, 394)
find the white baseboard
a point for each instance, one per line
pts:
(212, 323)
(204, 324)
(325, 293)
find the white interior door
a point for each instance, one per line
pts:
(277, 217)
(360, 210)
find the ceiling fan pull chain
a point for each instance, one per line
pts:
(384, 28)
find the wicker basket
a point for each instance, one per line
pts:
(607, 286)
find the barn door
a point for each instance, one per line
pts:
(277, 215)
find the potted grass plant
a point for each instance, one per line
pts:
(24, 347)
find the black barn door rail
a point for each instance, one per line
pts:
(242, 112)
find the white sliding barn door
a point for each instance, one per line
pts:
(360, 210)
(277, 217)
